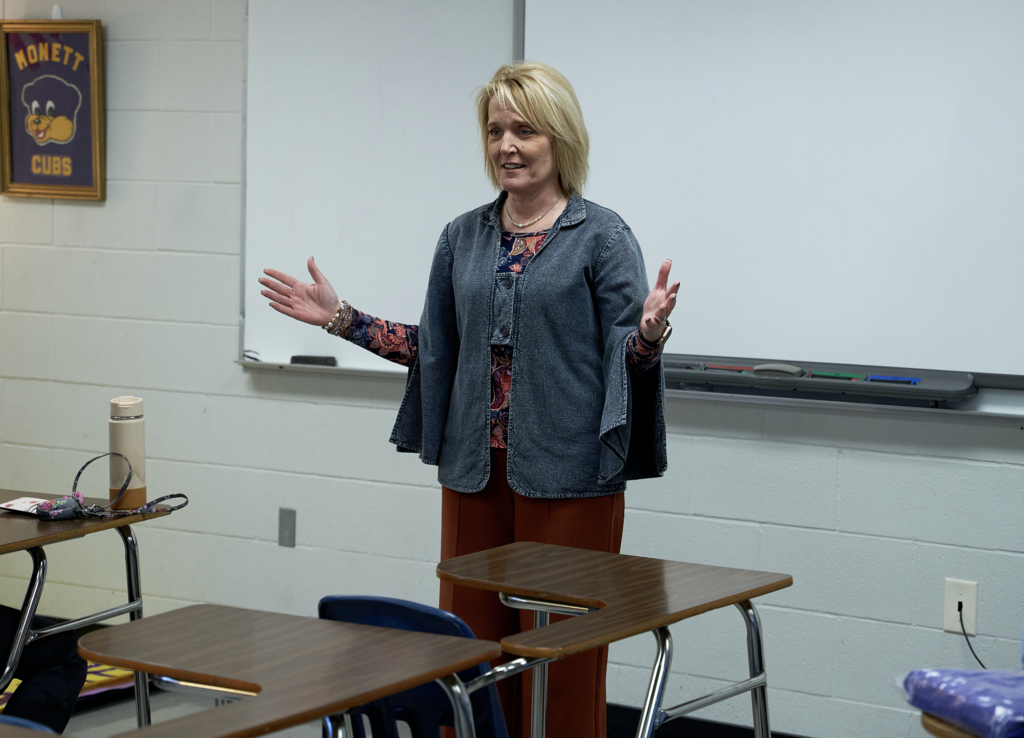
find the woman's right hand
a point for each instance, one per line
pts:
(311, 303)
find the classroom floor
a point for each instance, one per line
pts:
(118, 717)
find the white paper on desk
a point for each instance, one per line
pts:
(22, 505)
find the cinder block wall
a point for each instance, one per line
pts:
(868, 511)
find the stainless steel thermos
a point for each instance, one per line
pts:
(128, 436)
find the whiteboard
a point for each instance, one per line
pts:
(361, 144)
(835, 181)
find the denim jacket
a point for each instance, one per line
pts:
(580, 424)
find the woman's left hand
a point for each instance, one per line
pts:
(659, 305)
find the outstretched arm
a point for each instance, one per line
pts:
(310, 303)
(317, 303)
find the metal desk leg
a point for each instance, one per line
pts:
(336, 726)
(656, 687)
(755, 658)
(539, 703)
(131, 558)
(542, 610)
(461, 707)
(24, 635)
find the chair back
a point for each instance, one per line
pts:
(424, 708)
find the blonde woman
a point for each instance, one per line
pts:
(535, 382)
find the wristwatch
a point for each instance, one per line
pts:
(665, 335)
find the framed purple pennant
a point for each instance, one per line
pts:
(51, 100)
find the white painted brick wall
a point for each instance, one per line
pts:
(135, 64)
(868, 511)
(957, 501)
(24, 221)
(186, 81)
(857, 575)
(132, 205)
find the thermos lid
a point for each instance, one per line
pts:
(125, 408)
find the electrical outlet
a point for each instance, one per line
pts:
(286, 527)
(960, 591)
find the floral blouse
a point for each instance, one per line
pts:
(397, 341)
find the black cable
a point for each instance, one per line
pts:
(960, 611)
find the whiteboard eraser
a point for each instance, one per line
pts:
(315, 360)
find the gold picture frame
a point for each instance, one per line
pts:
(52, 122)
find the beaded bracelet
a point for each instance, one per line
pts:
(341, 321)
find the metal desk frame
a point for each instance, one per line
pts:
(652, 715)
(25, 634)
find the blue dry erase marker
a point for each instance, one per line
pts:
(893, 380)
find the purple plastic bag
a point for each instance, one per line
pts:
(986, 703)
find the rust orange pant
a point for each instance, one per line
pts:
(493, 517)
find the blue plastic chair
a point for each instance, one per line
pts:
(424, 708)
(24, 723)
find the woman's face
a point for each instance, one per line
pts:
(523, 159)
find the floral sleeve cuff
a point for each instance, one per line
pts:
(395, 342)
(641, 353)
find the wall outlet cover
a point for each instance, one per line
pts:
(286, 527)
(960, 590)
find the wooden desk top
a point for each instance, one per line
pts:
(635, 594)
(941, 728)
(19, 531)
(302, 668)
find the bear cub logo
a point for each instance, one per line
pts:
(52, 106)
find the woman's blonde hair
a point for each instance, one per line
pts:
(544, 98)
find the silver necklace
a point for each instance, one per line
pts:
(529, 222)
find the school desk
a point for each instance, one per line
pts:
(615, 596)
(297, 669)
(21, 532)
